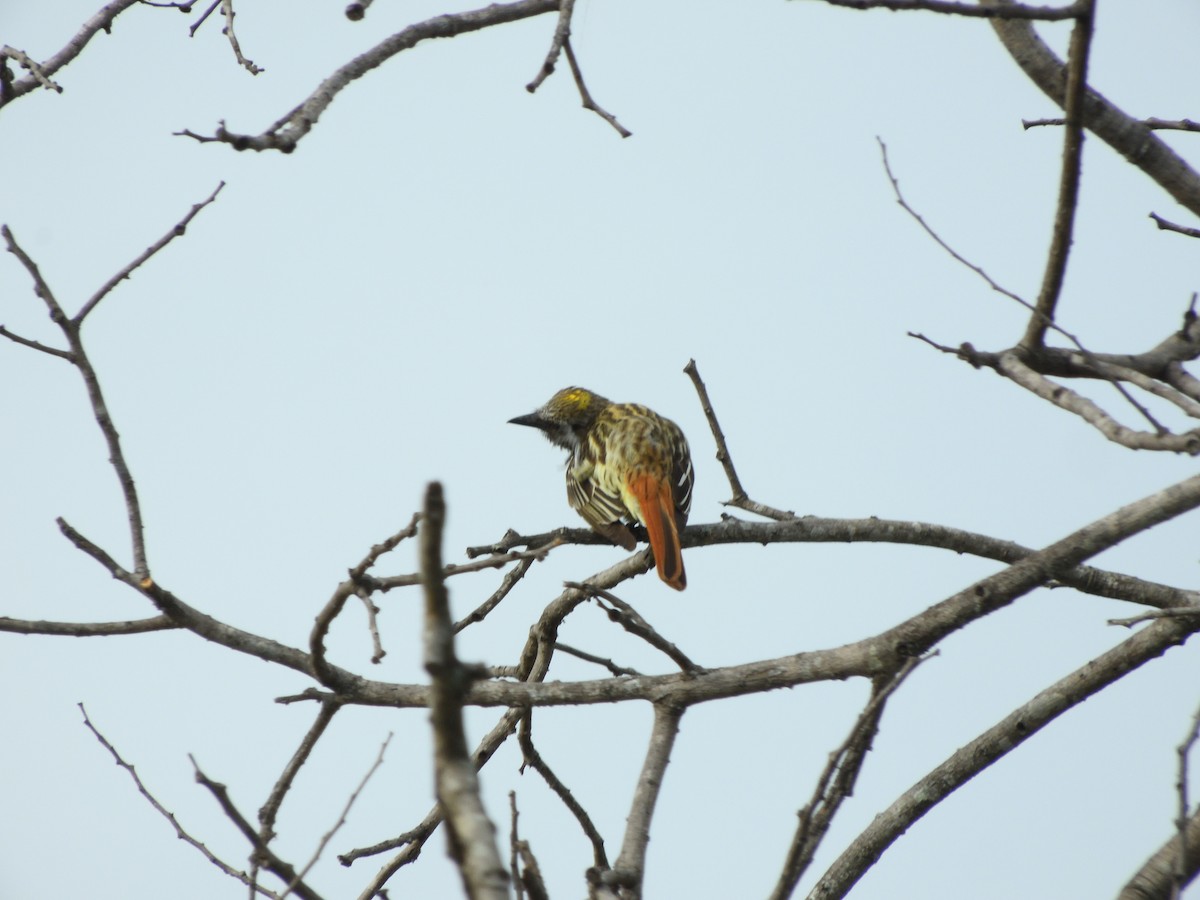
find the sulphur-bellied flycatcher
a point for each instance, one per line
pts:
(626, 463)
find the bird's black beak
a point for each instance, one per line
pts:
(533, 420)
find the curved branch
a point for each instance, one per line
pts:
(287, 132)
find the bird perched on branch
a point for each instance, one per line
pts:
(626, 463)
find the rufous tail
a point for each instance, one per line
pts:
(658, 515)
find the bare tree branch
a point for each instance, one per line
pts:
(177, 230)
(562, 33)
(1015, 11)
(1068, 186)
(286, 133)
(534, 759)
(228, 13)
(1011, 731)
(1164, 225)
(1125, 134)
(263, 854)
(269, 810)
(837, 781)
(77, 355)
(86, 629)
(630, 868)
(1018, 372)
(631, 620)
(162, 811)
(40, 74)
(740, 498)
(328, 836)
(472, 836)
(585, 95)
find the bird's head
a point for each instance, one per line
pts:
(566, 416)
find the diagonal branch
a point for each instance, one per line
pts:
(837, 781)
(1125, 134)
(740, 498)
(631, 620)
(1013, 368)
(285, 134)
(328, 835)
(102, 20)
(263, 854)
(585, 96)
(967, 762)
(534, 759)
(164, 812)
(562, 33)
(177, 230)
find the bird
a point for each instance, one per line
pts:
(626, 464)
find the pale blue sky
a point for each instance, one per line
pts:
(443, 252)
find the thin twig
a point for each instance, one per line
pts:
(203, 17)
(176, 230)
(100, 21)
(534, 759)
(598, 660)
(629, 619)
(269, 810)
(1165, 225)
(537, 553)
(34, 345)
(328, 836)
(1036, 314)
(228, 13)
(285, 133)
(740, 499)
(357, 584)
(585, 95)
(1151, 615)
(510, 580)
(161, 810)
(513, 840)
(562, 33)
(264, 856)
(1153, 123)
